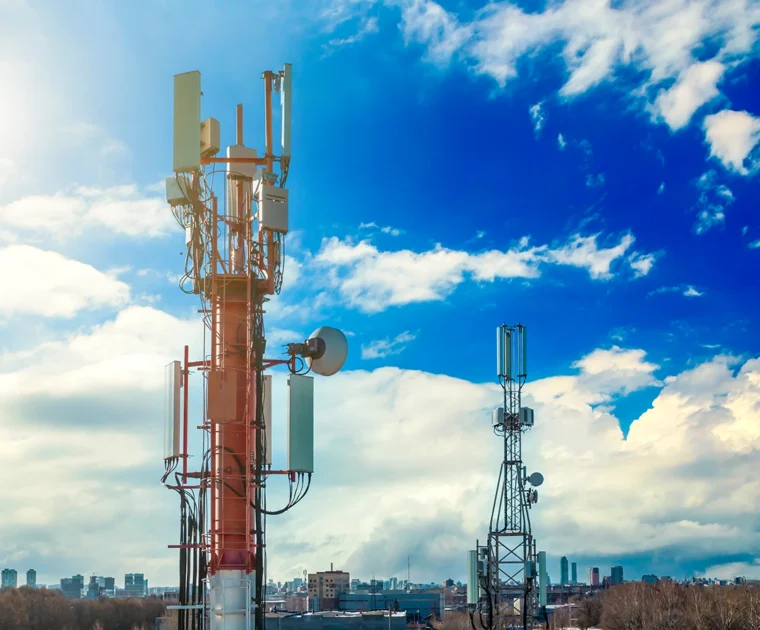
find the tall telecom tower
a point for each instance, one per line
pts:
(503, 572)
(234, 262)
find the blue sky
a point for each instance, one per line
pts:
(587, 169)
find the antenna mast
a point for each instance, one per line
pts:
(234, 262)
(504, 570)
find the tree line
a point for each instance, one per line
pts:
(638, 606)
(666, 606)
(39, 609)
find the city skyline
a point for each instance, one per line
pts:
(600, 190)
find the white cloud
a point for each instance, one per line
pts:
(696, 86)
(121, 209)
(40, 282)
(642, 264)
(686, 290)
(692, 292)
(732, 136)
(428, 22)
(615, 371)
(584, 252)
(754, 244)
(383, 348)
(660, 40)
(561, 142)
(387, 229)
(390, 230)
(71, 415)
(701, 421)
(125, 354)
(373, 280)
(713, 200)
(85, 413)
(661, 189)
(368, 26)
(538, 116)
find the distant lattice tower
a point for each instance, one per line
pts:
(503, 573)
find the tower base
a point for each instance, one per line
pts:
(231, 600)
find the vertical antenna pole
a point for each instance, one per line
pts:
(239, 138)
(268, 119)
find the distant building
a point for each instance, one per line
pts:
(135, 585)
(99, 587)
(326, 586)
(72, 587)
(593, 576)
(31, 578)
(650, 578)
(296, 604)
(574, 572)
(9, 578)
(563, 571)
(449, 583)
(616, 576)
(416, 605)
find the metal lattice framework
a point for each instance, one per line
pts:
(509, 583)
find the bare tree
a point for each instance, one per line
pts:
(589, 612)
(752, 608)
(560, 618)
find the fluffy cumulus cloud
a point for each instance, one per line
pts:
(82, 435)
(732, 136)
(681, 482)
(371, 279)
(42, 282)
(83, 424)
(696, 86)
(660, 40)
(120, 209)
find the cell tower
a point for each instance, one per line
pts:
(234, 262)
(503, 572)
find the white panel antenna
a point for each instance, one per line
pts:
(172, 384)
(285, 99)
(300, 410)
(187, 122)
(268, 416)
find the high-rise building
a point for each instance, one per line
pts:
(325, 586)
(109, 584)
(135, 585)
(72, 587)
(31, 578)
(574, 572)
(650, 578)
(593, 576)
(616, 576)
(563, 571)
(9, 578)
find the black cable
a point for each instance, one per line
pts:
(292, 502)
